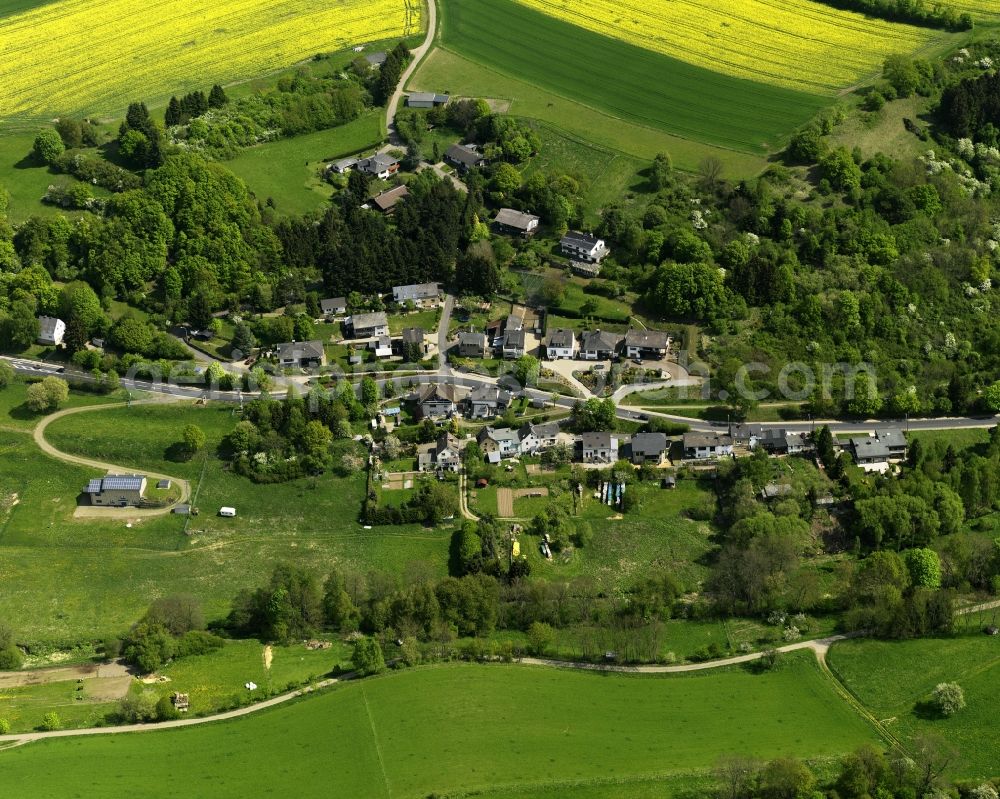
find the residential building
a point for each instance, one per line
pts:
(599, 345)
(412, 343)
(649, 448)
(505, 441)
(561, 344)
(599, 447)
(652, 344)
(116, 490)
(294, 354)
(342, 166)
(702, 446)
(382, 346)
(516, 222)
(420, 294)
(334, 306)
(386, 201)
(778, 441)
(894, 440)
(471, 344)
(464, 157)
(541, 437)
(381, 165)
(368, 325)
(513, 344)
(445, 454)
(583, 247)
(51, 330)
(436, 401)
(873, 453)
(426, 99)
(487, 401)
(375, 60)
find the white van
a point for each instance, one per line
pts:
(228, 512)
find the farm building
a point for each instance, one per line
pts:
(646, 344)
(583, 247)
(516, 222)
(464, 157)
(292, 354)
(426, 99)
(386, 201)
(420, 294)
(561, 344)
(368, 325)
(116, 490)
(51, 330)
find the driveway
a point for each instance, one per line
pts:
(443, 325)
(418, 54)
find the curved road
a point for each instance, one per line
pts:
(39, 435)
(393, 105)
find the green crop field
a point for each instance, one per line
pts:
(287, 170)
(893, 677)
(368, 738)
(617, 78)
(66, 578)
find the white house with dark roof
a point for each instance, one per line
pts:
(51, 330)
(598, 447)
(648, 448)
(420, 294)
(436, 402)
(333, 306)
(487, 401)
(561, 343)
(464, 157)
(293, 354)
(116, 490)
(599, 345)
(539, 437)
(444, 454)
(514, 342)
(653, 344)
(368, 325)
(381, 165)
(342, 166)
(583, 247)
(517, 222)
(503, 440)
(703, 446)
(875, 452)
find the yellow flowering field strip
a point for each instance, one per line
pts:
(794, 43)
(94, 56)
(978, 8)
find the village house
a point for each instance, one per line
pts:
(778, 441)
(381, 165)
(652, 344)
(648, 448)
(486, 402)
(583, 247)
(412, 344)
(343, 166)
(703, 446)
(516, 222)
(436, 402)
(598, 448)
(426, 99)
(464, 157)
(386, 201)
(334, 306)
(444, 454)
(539, 437)
(504, 441)
(561, 344)
(873, 453)
(294, 354)
(381, 346)
(51, 330)
(422, 295)
(471, 344)
(368, 325)
(116, 490)
(599, 345)
(514, 344)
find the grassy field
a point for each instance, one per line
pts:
(893, 677)
(287, 171)
(613, 77)
(367, 739)
(70, 56)
(444, 70)
(67, 578)
(796, 43)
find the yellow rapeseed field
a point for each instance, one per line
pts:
(978, 8)
(94, 56)
(795, 43)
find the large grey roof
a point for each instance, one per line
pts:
(562, 337)
(413, 335)
(595, 340)
(464, 155)
(597, 440)
(332, 304)
(693, 440)
(47, 326)
(515, 338)
(575, 238)
(648, 339)
(416, 291)
(649, 442)
(515, 219)
(300, 349)
(366, 320)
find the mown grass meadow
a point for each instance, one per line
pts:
(497, 728)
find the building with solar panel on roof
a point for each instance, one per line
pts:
(116, 490)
